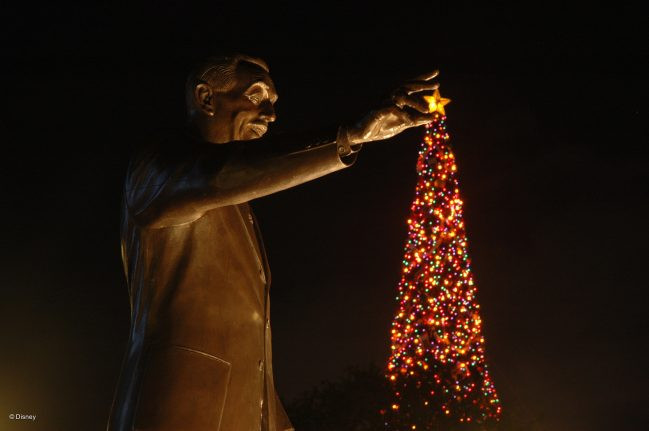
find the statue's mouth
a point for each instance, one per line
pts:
(259, 128)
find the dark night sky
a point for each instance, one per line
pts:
(548, 121)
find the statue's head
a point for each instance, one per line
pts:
(231, 98)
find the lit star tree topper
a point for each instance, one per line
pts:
(437, 369)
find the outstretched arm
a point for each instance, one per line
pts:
(177, 185)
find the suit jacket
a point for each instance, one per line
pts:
(199, 352)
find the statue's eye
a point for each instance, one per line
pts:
(254, 98)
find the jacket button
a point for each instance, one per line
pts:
(267, 323)
(261, 365)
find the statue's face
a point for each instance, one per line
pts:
(248, 107)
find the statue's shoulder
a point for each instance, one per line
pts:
(159, 149)
(151, 158)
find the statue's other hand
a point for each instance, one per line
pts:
(406, 108)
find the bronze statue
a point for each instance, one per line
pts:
(199, 350)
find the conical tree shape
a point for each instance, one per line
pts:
(437, 368)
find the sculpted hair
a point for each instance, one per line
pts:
(219, 72)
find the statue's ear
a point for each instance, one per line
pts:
(204, 98)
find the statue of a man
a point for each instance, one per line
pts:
(199, 349)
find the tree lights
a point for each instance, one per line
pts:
(437, 368)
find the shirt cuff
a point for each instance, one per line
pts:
(343, 145)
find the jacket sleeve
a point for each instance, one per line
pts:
(172, 184)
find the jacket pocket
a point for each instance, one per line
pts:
(182, 389)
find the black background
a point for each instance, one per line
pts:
(549, 125)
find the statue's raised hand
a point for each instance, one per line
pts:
(406, 108)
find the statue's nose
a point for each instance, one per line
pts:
(268, 112)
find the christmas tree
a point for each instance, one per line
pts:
(437, 370)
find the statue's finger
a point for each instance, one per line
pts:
(427, 76)
(414, 102)
(419, 119)
(413, 87)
